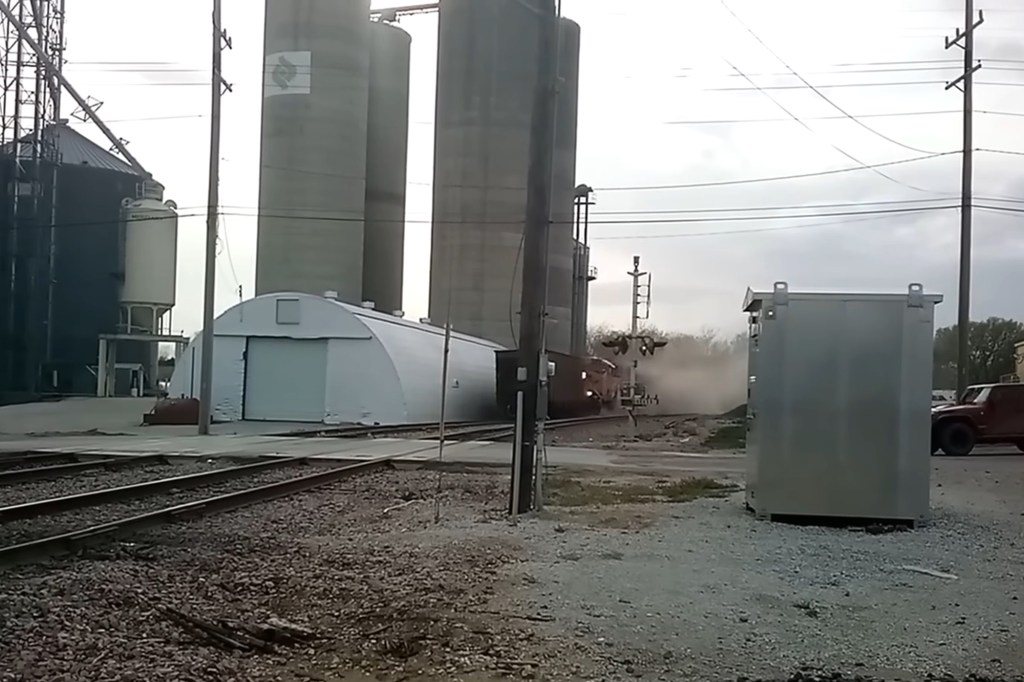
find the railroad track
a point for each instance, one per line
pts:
(454, 431)
(42, 469)
(28, 468)
(38, 546)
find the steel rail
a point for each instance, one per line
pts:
(68, 543)
(32, 457)
(55, 505)
(507, 431)
(382, 429)
(57, 470)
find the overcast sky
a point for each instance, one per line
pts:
(659, 103)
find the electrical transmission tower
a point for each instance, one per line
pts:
(29, 155)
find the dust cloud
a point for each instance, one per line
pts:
(689, 379)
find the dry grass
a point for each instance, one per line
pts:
(566, 491)
(728, 437)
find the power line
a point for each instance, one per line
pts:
(1000, 151)
(815, 90)
(831, 144)
(857, 85)
(895, 114)
(823, 86)
(752, 230)
(795, 176)
(684, 211)
(641, 221)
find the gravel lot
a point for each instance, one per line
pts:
(704, 591)
(654, 591)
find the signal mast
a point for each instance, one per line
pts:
(635, 345)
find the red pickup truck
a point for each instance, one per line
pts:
(988, 414)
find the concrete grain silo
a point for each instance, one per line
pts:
(561, 244)
(387, 154)
(314, 137)
(487, 70)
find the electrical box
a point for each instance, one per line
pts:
(839, 404)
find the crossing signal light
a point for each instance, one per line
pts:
(648, 345)
(619, 345)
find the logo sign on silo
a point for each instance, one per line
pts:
(287, 73)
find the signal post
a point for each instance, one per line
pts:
(635, 345)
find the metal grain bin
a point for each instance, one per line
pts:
(839, 400)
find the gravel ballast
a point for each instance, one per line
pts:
(98, 479)
(361, 563)
(26, 530)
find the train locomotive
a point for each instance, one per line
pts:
(579, 387)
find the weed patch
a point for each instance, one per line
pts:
(728, 437)
(565, 491)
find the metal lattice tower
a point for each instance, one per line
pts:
(29, 113)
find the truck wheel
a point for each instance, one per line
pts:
(956, 439)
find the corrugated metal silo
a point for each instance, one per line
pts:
(387, 153)
(90, 252)
(487, 55)
(313, 158)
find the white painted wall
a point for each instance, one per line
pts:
(380, 369)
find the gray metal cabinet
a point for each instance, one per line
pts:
(838, 403)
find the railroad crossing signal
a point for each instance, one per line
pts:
(619, 345)
(648, 345)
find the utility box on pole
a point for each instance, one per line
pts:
(839, 404)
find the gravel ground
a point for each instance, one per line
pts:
(362, 564)
(657, 591)
(98, 479)
(704, 591)
(669, 433)
(26, 530)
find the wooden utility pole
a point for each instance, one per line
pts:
(217, 87)
(535, 256)
(965, 82)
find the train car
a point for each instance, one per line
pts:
(602, 382)
(578, 387)
(567, 387)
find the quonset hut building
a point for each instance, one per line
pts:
(76, 271)
(294, 357)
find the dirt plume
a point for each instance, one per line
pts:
(689, 378)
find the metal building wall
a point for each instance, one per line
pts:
(485, 87)
(387, 152)
(313, 155)
(88, 268)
